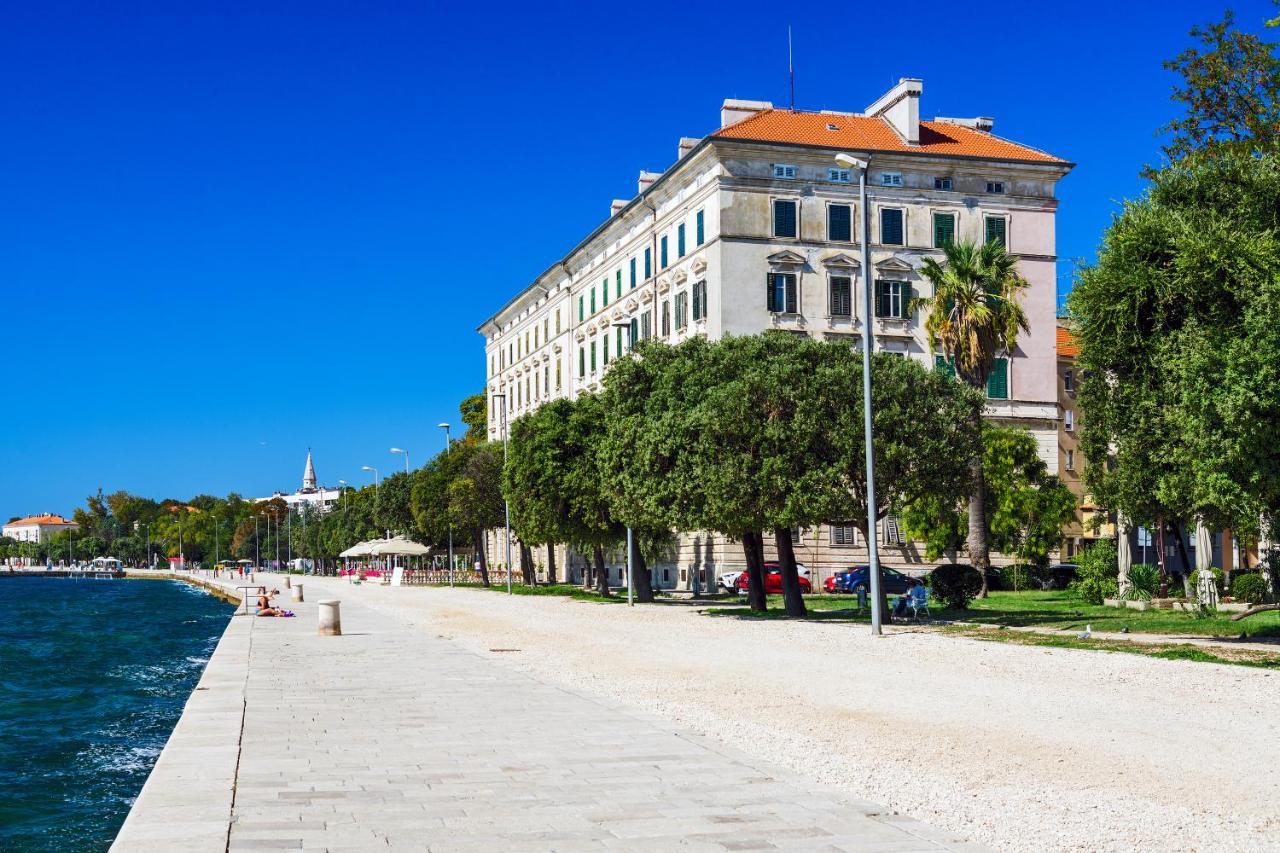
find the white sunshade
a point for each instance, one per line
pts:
(105, 560)
(360, 549)
(397, 546)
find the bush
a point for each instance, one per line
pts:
(1019, 576)
(1144, 581)
(955, 584)
(1251, 587)
(1096, 577)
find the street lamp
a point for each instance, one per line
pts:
(406, 457)
(631, 586)
(375, 478)
(506, 505)
(848, 161)
(448, 448)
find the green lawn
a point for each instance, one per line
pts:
(1056, 609)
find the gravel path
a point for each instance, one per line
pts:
(1022, 748)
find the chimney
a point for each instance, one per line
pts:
(686, 145)
(615, 206)
(900, 106)
(734, 111)
(647, 179)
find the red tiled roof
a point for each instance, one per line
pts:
(38, 519)
(1067, 343)
(861, 133)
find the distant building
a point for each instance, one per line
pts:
(37, 528)
(310, 494)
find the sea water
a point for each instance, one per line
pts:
(93, 677)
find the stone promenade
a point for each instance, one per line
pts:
(392, 737)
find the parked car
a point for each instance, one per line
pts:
(1061, 574)
(729, 580)
(894, 581)
(837, 582)
(773, 580)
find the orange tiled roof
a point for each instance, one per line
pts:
(862, 133)
(38, 519)
(1067, 343)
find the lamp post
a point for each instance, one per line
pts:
(873, 557)
(375, 478)
(448, 449)
(506, 505)
(216, 544)
(631, 586)
(182, 559)
(406, 457)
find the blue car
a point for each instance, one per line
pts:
(894, 581)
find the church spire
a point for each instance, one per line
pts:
(309, 475)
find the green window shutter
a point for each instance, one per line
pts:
(998, 379)
(604, 342)
(784, 219)
(648, 262)
(839, 223)
(944, 229)
(891, 226)
(905, 304)
(619, 293)
(604, 292)
(581, 311)
(791, 293)
(701, 230)
(680, 241)
(945, 366)
(593, 302)
(884, 307)
(996, 227)
(593, 355)
(662, 253)
(633, 273)
(582, 362)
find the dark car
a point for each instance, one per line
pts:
(894, 581)
(1062, 574)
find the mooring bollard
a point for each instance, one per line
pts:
(297, 593)
(287, 582)
(330, 618)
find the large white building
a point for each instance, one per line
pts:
(37, 528)
(755, 226)
(311, 494)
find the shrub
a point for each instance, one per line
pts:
(1096, 577)
(1144, 581)
(1251, 587)
(1019, 576)
(955, 584)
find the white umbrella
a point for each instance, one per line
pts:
(360, 549)
(1124, 556)
(397, 546)
(1206, 588)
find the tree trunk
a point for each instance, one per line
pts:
(1186, 561)
(979, 553)
(527, 573)
(643, 580)
(484, 557)
(792, 599)
(551, 563)
(755, 571)
(602, 575)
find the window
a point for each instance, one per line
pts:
(593, 355)
(843, 534)
(1069, 420)
(648, 263)
(782, 293)
(784, 218)
(634, 334)
(682, 310)
(633, 273)
(666, 318)
(646, 326)
(662, 253)
(841, 296)
(546, 380)
(604, 292)
(797, 536)
(996, 187)
(699, 301)
(546, 329)
(620, 344)
(1068, 380)
(680, 240)
(998, 380)
(604, 344)
(944, 366)
(557, 374)
(839, 223)
(944, 229)
(618, 294)
(582, 362)
(839, 176)
(893, 299)
(699, 228)
(1071, 460)
(593, 301)
(997, 229)
(782, 170)
(942, 184)
(557, 321)
(890, 179)
(891, 232)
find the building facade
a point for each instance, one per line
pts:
(37, 528)
(756, 227)
(310, 495)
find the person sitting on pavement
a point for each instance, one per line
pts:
(266, 608)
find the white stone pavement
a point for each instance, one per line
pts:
(390, 737)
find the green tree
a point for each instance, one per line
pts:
(974, 315)
(475, 498)
(475, 414)
(533, 480)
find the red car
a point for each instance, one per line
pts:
(772, 581)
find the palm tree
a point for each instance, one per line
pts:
(973, 316)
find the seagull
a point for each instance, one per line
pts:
(1086, 633)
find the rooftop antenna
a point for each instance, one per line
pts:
(791, 69)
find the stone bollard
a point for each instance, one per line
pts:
(330, 618)
(297, 593)
(287, 582)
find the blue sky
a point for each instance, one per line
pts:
(233, 231)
